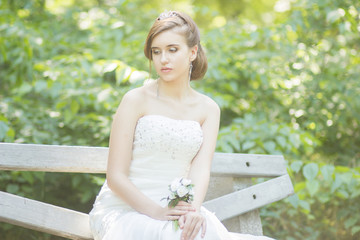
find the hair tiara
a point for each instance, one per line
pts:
(167, 14)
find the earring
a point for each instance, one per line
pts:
(190, 70)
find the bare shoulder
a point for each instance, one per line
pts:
(133, 96)
(210, 108)
(137, 96)
(132, 103)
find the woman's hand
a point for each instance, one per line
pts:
(191, 223)
(174, 213)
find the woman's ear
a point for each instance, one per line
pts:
(194, 51)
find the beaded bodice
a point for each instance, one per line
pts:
(172, 139)
(163, 149)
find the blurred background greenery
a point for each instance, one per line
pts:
(286, 74)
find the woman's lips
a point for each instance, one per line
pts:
(165, 70)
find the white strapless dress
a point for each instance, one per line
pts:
(163, 149)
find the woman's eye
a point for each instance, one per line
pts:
(173, 49)
(156, 52)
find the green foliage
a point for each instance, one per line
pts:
(323, 207)
(287, 83)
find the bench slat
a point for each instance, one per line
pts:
(242, 201)
(248, 165)
(54, 158)
(44, 217)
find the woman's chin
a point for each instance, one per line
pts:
(167, 78)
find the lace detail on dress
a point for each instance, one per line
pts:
(174, 138)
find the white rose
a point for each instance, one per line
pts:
(172, 196)
(186, 182)
(182, 191)
(175, 185)
(191, 192)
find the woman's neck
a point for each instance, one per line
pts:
(174, 90)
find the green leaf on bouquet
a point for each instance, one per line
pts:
(176, 225)
(174, 202)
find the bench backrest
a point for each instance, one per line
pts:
(230, 171)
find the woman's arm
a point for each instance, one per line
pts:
(120, 156)
(200, 172)
(201, 165)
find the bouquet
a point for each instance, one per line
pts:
(181, 189)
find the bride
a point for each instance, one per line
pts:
(162, 131)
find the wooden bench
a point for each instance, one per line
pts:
(231, 195)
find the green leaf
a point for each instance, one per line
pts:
(74, 106)
(12, 188)
(270, 146)
(28, 177)
(234, 142)
(355, 193)
(305, 205)
(313, 187)
(346, 177)
(24, 88)
(85, 196)
(40, 86)
(296, 166)
(176, 225)
(98, 180)
(75, 181)
(337, 183)
(225, 147)
(350, 222)
(61, 105)
(324, 197)
(355, 230)
(327, 172)
(294, 200)
(299, 186)
(310, 171)
(247, 145)
(3, 130)
(342, 194)
(281, 141)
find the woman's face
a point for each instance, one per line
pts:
(171, 55)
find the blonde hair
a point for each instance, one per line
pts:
(174, 19)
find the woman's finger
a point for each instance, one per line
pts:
(203, 228)
(181, 221)
(176, 212)
(172, 217)
(195, 231)
(185, 205)
(187, 228)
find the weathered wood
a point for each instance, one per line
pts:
(248, 165)
(44, 217)
(251, 198)
(249, 222)
(53, 158)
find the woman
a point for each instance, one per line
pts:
(162, 131)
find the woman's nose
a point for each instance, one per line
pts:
(164, 58)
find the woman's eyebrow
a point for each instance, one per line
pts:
(170, 45)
